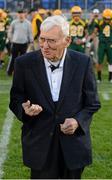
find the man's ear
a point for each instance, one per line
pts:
(67, 41)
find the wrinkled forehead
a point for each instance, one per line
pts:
(53, 32)
(50, 27)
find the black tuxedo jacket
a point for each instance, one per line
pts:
(78, 99)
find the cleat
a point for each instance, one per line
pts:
(110, 81)
(98, 81)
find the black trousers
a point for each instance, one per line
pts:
(55, 166)
(17, 50)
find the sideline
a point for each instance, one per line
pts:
(4, 139)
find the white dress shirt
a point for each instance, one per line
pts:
(55, 77)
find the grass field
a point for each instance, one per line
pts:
(101, 131)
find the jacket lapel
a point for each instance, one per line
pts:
(69, 70)
(41, 75)
(70, 67)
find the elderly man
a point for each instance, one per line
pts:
(54, 95)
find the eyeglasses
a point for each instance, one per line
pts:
(50, 42)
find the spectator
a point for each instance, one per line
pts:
(20, 35)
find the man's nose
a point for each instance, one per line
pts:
(45, 44)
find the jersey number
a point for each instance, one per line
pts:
(2, 26)
(77, 30)
(106, 31)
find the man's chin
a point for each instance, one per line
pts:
(47, 56)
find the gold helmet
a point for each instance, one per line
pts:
(57, 12)
(76, 9)
(4, 15)
(107, 14)
(1, 13)
(42, 11)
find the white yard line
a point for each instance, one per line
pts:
(4, 139)
(106, 96)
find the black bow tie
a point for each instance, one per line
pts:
(53, 67)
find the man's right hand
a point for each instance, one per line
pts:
(31, 109)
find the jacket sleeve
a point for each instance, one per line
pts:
(17, 93)
(90, 99)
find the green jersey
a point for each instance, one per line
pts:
(2, 35)
(77, 29)
(105, 31)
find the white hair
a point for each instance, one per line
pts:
(56, 20)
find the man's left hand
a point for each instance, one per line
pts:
(69, 126)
